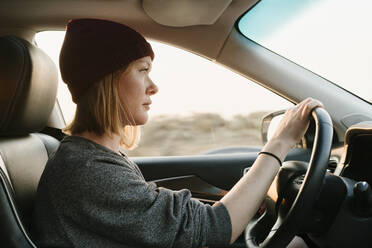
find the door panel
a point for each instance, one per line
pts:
(207, 176)
(200, 189)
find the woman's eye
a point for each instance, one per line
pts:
(144, 69)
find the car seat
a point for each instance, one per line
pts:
(28, 85)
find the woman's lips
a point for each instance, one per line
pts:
(147, 105)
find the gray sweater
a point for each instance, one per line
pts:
(90, 196)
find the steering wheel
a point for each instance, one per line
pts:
(287, 226)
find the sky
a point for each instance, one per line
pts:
(329, 37)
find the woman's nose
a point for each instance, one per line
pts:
(152, 89)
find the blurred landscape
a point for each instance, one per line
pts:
(197, 134)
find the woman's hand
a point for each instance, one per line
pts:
(243, 200)
(293, 126)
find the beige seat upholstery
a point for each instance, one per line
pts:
(28, 84)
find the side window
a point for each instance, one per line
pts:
(200, 107)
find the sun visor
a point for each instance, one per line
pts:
(182, 13)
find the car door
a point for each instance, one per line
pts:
(209, 176)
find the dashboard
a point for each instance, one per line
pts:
(349, 186)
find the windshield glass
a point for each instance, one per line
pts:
(329, 37)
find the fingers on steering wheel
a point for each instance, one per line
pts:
(307, 106)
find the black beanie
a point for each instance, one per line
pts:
(93, 48)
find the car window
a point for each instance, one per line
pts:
(329, 37)
(201, 106)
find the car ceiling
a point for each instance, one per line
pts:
(213, 22)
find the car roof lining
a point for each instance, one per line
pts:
(182, 13)
(27, 17)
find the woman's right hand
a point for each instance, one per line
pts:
(243, 200)
(293, 125)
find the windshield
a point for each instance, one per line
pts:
(329, 37)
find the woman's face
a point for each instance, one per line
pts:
(135, 88)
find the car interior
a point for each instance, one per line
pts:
(321, 193)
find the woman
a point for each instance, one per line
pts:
(92, 195)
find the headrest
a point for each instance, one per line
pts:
(28, 87)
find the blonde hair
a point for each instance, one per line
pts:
(100, 111)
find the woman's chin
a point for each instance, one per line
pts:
(142, 120)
